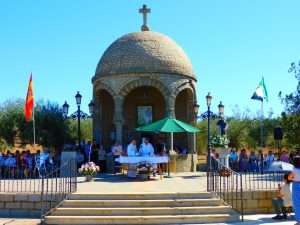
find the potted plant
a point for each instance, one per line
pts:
(224, 172)
(89, 170)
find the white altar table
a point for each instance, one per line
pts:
(142, 159)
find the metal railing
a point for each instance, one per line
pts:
(57, 185)
(227, 185)
(265, 181)
(257, 178)
(52, 184)
(20, 180)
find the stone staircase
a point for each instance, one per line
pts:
(142, 208)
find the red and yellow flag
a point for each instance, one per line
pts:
(29, 103)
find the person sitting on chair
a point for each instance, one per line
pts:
(283, 200)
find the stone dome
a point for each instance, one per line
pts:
(144, 52)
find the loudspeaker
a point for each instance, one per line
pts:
(278, 133)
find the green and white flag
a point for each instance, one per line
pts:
(261, 92)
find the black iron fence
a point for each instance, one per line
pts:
(230, 185)
(53, 185)
(265, 181)
(227, 185)
(57, 185)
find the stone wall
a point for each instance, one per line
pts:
(183, 163)
(20, 205)
(255, 202)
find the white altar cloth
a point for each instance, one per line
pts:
(141, 159)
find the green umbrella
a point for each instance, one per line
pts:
(168, 125)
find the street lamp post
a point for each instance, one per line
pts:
(78, 114)
(209, 115)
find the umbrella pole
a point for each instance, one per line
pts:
(171, 148)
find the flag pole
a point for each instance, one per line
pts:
(33, 124)
(262, 125)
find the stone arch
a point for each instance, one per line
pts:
(98, 86)
(183, 86)
(127, 88)
(184, 111)
(103, 119)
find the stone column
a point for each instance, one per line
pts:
(118, 117)
(170, 106)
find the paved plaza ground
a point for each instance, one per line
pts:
(180, 182)
(249, 220)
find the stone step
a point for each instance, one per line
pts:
(142, 211)
(133, 196)
(156, 219)
(141, 203)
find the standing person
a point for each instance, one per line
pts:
(243, 161)
(94, 153)
(260, 161)
(253, 162)
(283, 200)
(88, 151)
(131, 148)
(233, 160)
(270, 159)
(146, 148)
(284, 157)
(296, 188)
(10, 164)
(117, 151)
(132, 151)
(2, 160)
(101, 158)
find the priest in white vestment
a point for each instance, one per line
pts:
(131, 151)
(146, 148)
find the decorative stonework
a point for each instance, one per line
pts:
(144, 52)
(141, 63)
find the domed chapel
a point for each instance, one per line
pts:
(143, 77)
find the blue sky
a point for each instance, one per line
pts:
(231, 44)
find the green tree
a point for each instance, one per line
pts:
(85, 128)
(291, 117)
(11, 119)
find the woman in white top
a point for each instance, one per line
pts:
(296, 188)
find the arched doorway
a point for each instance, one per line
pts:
(105, 104)
(183, 112)
(142, 105)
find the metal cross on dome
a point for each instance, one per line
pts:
(144, 10)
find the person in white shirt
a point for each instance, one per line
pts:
(146, 148)
(131, 148)
(132, 151)
(284, 199)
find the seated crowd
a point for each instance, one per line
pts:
(24, 164)
(253, 162)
